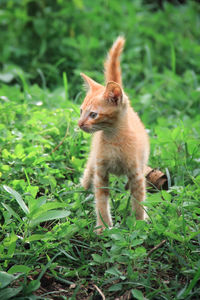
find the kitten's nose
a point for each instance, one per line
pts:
(80, 123)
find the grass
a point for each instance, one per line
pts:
(48, 248)
(47, 220)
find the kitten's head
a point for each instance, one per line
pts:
(102, 105)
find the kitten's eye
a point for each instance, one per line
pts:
(93, 115)
(81, 111)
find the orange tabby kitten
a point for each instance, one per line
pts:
(120, 143)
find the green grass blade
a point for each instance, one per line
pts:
(173, 59)
(192, 283)
(18, 198)
(11, 211)
(65, 81)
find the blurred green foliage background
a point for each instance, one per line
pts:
(45, 38)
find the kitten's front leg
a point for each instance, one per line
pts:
(88, 174)
(101, 198)
(138, 191)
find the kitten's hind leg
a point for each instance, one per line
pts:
(137, 189)
(88, 174)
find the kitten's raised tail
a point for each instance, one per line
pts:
(112, 63)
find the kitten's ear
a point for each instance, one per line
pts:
(90, 83)
(113, 93)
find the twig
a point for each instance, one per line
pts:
(66, 133)
(156, 247)
(100, 292)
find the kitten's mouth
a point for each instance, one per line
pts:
(86, 129)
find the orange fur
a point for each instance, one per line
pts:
(112, 63)
(120, 143)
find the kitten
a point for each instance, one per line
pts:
(120, 143)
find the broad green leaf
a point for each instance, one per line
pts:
(19, 151)
(6, 77)
(36, 237)
(117, 236)
(18, 198)
(140, 251)
(6, 154)
(98, 258)
(130, 222)
(114, 271)
(32, 190)
(115, 287)
(33, 286)
(137, 294)
(35, 204)
(12, 244)
(166, 196)
(50, 215)
(19, 269)
(9, 293)
(5, 168)
(136, 242)
(5, 279)
(46, 207)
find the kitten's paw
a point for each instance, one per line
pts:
(98, 231)
(101, 227)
